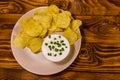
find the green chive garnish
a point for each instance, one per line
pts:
(63, 44)
(59, 36)
(50, 47)
(50, 54)
(54, 42)
(51, 42)
(46, 44)
(56, 50)
(61, 41)
(53, 47)
(60, 53)
(49, 36)
(59, 45)
(55, 55)
(62, 49)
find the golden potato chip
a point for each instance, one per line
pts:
(41, 11)
(54, 18)
(21, 40)
(31, 27)
(67, 13)
(52, 29)
(53, 9)
(76, 24)
(78, 34)
(70, 35)
(63, 20)
(58, 30)
(44, 20)
(24, 21)
(35, 44)
(44, 32)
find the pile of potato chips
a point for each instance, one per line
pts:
(45, 22)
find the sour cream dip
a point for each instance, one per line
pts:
(55, 47)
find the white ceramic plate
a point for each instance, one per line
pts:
(37, 63)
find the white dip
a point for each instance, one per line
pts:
(55, 47)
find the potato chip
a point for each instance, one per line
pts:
(54, 18)
(44, 20)
(76, 24)
(58, 30)
(53, 9)
(44, 32)
(63, 20)
(41, 11)
(67, 13)
(24, 21)
(21, 40)
(70, 35)
(52, 29)
(78, 34)
(35, 44)
(31, 27)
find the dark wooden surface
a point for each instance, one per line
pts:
(99, 57)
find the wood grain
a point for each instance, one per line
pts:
(20, 6)
(99, 56)
(95, 7)
(7, 74)
(77, 7)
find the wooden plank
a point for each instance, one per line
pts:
(20, 6)
(89, 7)
(100, 50)
(20, 74)
(95, 7)
(77, 7)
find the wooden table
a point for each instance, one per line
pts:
(99, 57)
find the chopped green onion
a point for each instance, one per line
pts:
(62, 41)
(53, 47)
(50, 47)
(62, 49)
(56, 50)
(59, 36)
(59, 45)
(46, 44)
(50, 54)
(51, 42)
(63, 44)
(49, 36)
(54, 42)
(55, 55)
(60, 53)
